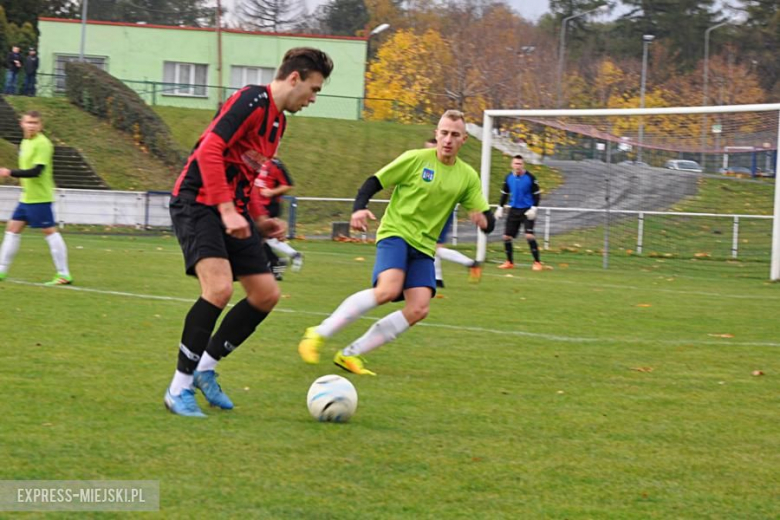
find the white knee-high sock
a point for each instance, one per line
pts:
(381, 332)
(350, 309)
(181, 381)
(454, 256)
(437, 265)
(8, 250)
(59, 253)
(281, 247)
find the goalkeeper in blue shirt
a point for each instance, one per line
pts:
(522, 192)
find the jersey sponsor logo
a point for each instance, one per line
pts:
(187, 352)
(427, 174)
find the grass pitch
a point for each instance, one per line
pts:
(571, 393)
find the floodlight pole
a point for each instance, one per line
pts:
(84, 5)
(220, 91)
(562, 50)
(646, 39)
(705, 92)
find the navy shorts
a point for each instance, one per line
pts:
(445, 233)
(38, 215)
(395, 253)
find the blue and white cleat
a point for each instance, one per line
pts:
(183, 404)
(207, 382)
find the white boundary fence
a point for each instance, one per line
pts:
(150, 210)
(100, 207)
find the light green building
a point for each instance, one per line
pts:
(178, 66)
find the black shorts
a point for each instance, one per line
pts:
(201, 234)
(515, 218)
(274, 209)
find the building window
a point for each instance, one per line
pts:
(59, 67)
(241, 76)
(184, 79)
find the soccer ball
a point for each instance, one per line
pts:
(332, 398)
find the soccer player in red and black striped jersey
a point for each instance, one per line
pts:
(271, 184)
(210, 209)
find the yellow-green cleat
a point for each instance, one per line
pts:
(310, 346)
(352, 364)
(61, 279)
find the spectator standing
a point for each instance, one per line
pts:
(30, 73)
(14, 64)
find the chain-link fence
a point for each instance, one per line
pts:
(208, 97)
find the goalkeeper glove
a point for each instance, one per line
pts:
(530, 213)
(499, 212)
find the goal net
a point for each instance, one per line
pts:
(662, 189)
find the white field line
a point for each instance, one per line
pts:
(481, 330)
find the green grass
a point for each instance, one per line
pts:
(522, 397)
(112, 154)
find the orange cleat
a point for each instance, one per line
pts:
(507, 265)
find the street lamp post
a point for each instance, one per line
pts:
(376, 30)
(646, 39)
(562, 49)
(705, 92)
(84, 4)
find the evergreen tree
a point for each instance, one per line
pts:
(759, 39)
(677, 24)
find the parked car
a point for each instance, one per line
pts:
(683, 165)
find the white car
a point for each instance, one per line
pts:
(683, 165)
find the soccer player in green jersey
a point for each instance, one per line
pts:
(36, 155)
(428, 184)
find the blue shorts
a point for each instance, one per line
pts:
(395, 253)
(446, 231)
(39, 215)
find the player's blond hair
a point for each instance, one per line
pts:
(454, 115)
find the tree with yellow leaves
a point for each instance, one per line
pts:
(402, 81)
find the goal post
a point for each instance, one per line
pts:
(624, 153)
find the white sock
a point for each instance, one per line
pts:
(206, 363)
(437, 265)
(350, 309)
(181, 381)
(381, 332)
(8, 250)
(454, 256)
(281, 247)
(59, 253)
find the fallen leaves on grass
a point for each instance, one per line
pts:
(721, 335)
(642, 369)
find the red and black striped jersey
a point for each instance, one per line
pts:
(273, 174)
(227, 158)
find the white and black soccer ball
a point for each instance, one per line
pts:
(332, 398)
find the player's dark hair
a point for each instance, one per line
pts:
(304, 60)
(34, 114)
(518, 156)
